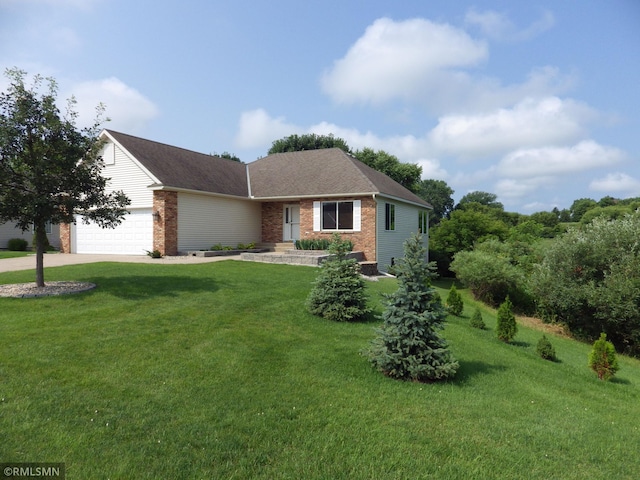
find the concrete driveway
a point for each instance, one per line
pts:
(62, 259)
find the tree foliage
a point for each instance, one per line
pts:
(589, 279)
(339, 292)
(496, 270)
(50, 171)
(406, 174)
(408, 345)
(439, 195)
(483, 198)
(309, 141)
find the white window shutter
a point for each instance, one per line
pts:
(357, 215)
(316, 216)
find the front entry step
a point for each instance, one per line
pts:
(295, 257)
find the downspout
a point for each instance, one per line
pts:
(248, 181)
(375, 202)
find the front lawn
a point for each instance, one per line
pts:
(12, 254)
(217, 371)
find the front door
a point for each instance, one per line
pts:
(291, 223)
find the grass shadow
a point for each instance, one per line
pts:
(519, 343)
(137, 287)
(621, 381)
(472, 368)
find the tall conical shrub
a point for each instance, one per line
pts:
(455, 306)
(408, 345)
(602, 358)
(506, 327)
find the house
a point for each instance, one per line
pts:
(182, 200)
(9, 231)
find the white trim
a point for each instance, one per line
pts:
(317, 212)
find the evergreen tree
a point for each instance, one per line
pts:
(454, 302)
(506, 327)
(339, 290)
(602, 358)
(476, 320)
(408, 345)
(545, 349)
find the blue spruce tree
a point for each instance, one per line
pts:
(408, 345)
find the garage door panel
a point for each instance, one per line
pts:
(134, 236)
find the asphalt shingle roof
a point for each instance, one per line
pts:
(309, 173)
(329, 171)
(179, 168)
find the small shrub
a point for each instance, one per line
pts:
(217, 247)
(602, 358)
(477, 321)
(226, 248)
(17, 245)
(454, 303)
(545, 349)
(241, 246)
(154, 254)
(506, 327)
(339, 292)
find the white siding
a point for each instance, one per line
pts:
(9, 231)
(204, 221)
(126, 175)
(390, 243)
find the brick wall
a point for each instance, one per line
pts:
(65, 238)
(272, 222)
(363, 241)
(165, 227)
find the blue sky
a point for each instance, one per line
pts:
(535, 101)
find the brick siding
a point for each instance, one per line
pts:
(65, 238)
(165, 227)
(364, 240)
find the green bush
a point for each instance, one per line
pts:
(17, 245)
(312, 244)
(477, 320)
(454, 303)
(545, 349)
(602, 358)
(339, 290)
(217, 247)
(506, 327)
(154, 254)
(408, 345)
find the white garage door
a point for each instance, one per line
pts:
(134, 236)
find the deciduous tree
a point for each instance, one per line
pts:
(50, 171)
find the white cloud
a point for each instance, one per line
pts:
(428, 64)
(616, 182)
(539, 162)
(400, 59)
(127, 108)
(549, 121)
(258, 129)
(498, 26)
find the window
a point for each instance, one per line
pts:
(389, 216)
(423, 221)
(338, 215)
(47, 228)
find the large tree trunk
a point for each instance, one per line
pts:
(41, 241)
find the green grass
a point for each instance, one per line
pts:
(217, 371)
(12, 254)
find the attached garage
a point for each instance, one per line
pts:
(134, 236)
